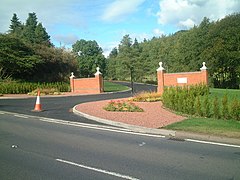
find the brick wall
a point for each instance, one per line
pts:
(87, 85)
(181, 79)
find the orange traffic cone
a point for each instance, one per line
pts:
(38, 106)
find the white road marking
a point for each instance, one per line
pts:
(101, 128)
(120, 130)
(98, 170)
(21, 116)
(213, 143)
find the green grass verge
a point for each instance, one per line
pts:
(219, 127)
(113, 87)
(231, 93)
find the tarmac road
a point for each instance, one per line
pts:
(37, 148)
(61, 107)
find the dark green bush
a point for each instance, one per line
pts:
(195, 100)
(235, 109)
(26, 87)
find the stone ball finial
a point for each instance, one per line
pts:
(160, 67)
(204, 66)
(98, 71)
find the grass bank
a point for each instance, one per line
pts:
(218, 127)
(113, 87)
(211, 126)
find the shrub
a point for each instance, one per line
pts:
(122, 106)
(198, 107)
(46, 91)
(206, 106)
(225, 109)
(14, 87)
(216, 112)
(235, 109)
(147, 97)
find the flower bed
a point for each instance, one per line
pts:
(122, 106)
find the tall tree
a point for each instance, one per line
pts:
(15, 26)
(41, 35)
(30, 27)
(17, 58)
(89, 56)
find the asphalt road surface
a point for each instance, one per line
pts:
(42, 148)
(33, 148)
(61, 107)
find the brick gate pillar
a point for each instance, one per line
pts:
(160, 77)
(204, 72)
(99, 80)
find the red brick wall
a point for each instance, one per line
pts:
(171, 79)
(181, 79)
(87, 85)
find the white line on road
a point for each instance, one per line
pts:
(97, 170)
(101, 128)
(213, 143)
(16, 115)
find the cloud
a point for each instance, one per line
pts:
(187, 23)
(158, 32)
(67, 39)
(120, 8)
(186, 13)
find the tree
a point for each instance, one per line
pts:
(41, 36)
(111, 64)
(89, 56)
(15, 26)
(17, 58)
(29, 28)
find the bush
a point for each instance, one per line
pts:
(216, 112)
(14, 87)
(225, 108)
(195, 100)
(235, 109)
(122, 106)
(147, 97)
(206, 107)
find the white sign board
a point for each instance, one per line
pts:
(182, 80)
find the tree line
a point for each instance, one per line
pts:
(27, 54)
(217, 43)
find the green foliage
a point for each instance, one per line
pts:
(207, 106)
(26, 87)
(213, 42)
(31, 32)
(198, 106)
(235, 109)
(122, 106)
(89, 56)
(26, 54)
(193, 102)
(225, 108)
(147, 97)
(17, 58)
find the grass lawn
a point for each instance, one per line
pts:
(113, 87)
(231, 93)
(228, 128)
(220, 127)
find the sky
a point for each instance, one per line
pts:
(107, 21)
